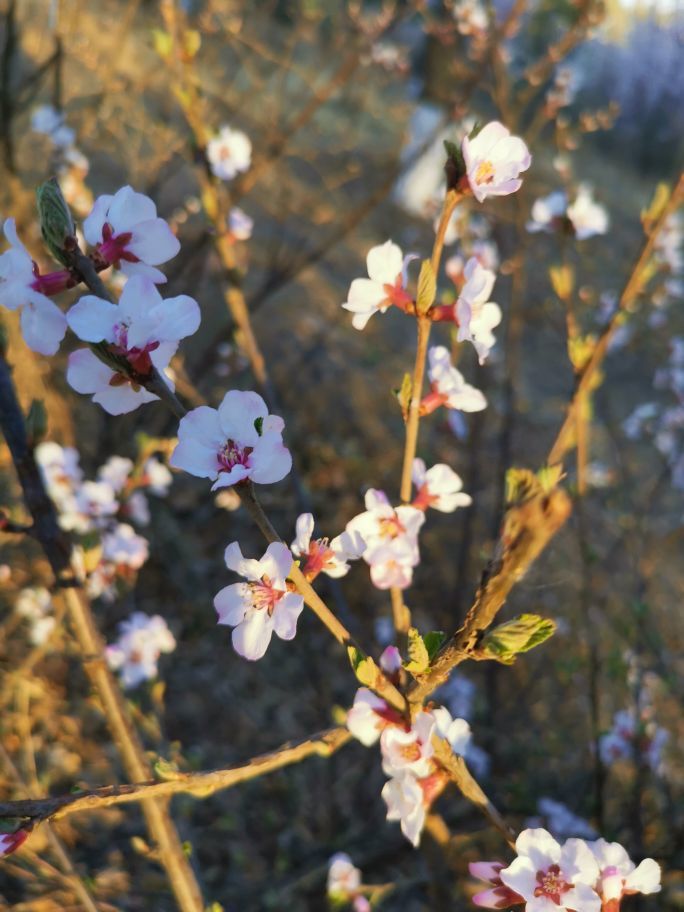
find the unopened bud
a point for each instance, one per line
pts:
(56, 224)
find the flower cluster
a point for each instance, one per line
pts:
(111, 551)
(634, 737)
(577, 876)
(408, 755)
(142, 639)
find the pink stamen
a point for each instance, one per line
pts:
(263, 595)
(113, 246)
(232, 455)
(552, 884)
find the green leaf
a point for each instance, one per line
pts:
(427, 288)
(433, 641)
(519, 635)
(404, 394)
(163, 43)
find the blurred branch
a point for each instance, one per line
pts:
(57, 548)
(6, 93)
(632, 289)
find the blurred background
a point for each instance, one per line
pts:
(347, 105)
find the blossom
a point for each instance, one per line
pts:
(548, 212)
(43, 324)
(405, 802)
(238, 440)
(619, 876)
(449, 387)
(48, 120)
(156, 476)
(390, 539)
(123, 547)
(493, 160)
(142, 331)
(369, 716)
(475, 314)
(385, 285)
(115, 472)
(141, 641)
(59, 467)
(263, 606)
(550, 877)
(344, 879)
(498, 896)
(390, 661)
(128, 234)
(35, 605)
(408, 751)
(240, 225)
(588, 217)
(456, 732)
(320, 555)
(10, 842)
(438, 487)
(470, 16)
(229, 153)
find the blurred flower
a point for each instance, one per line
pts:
(620, 877)
(448, 385)
(548, 876)
(127, 233)
(562, 822)
(229, 153)
(320, 555)
(475, 314)
(390, 661)
(408, 799)
(116, 472)
(59, 467)
(141, 641)
(157, 477)
(344, 879)
(240, 225)
(387, 539)
(456, 732)
(588, 217)
(470, 16)
(548, 212)
(385, 285)
(35, 605)
(493, 160)
(264, 605)
(48, 120)
(239, 440)
(43, 324)
(438, 487)
(124, 548)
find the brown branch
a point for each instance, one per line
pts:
(57, 548)
(201, 785)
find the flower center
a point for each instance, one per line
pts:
(390, 526)
(410, 752)
(113, 246)
(484, 173)
(264, 595)
(552, 884)
(318, 558)
(232, 455)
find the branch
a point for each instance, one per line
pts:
(57, 548)
(200, 785)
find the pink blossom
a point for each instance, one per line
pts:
(550, 877)
(409, 751)
(369, 716)
(619, 876)
(127, 233)
(263, 606)
(498, 896)
(385, 285)
(405, 802)
(141, 641)
(322, 555)
(438, 487)
(10, 842)
(449, 387)
(43, 324)
(344, 879)
(238, 440)
(493, 160)
(475, 313)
